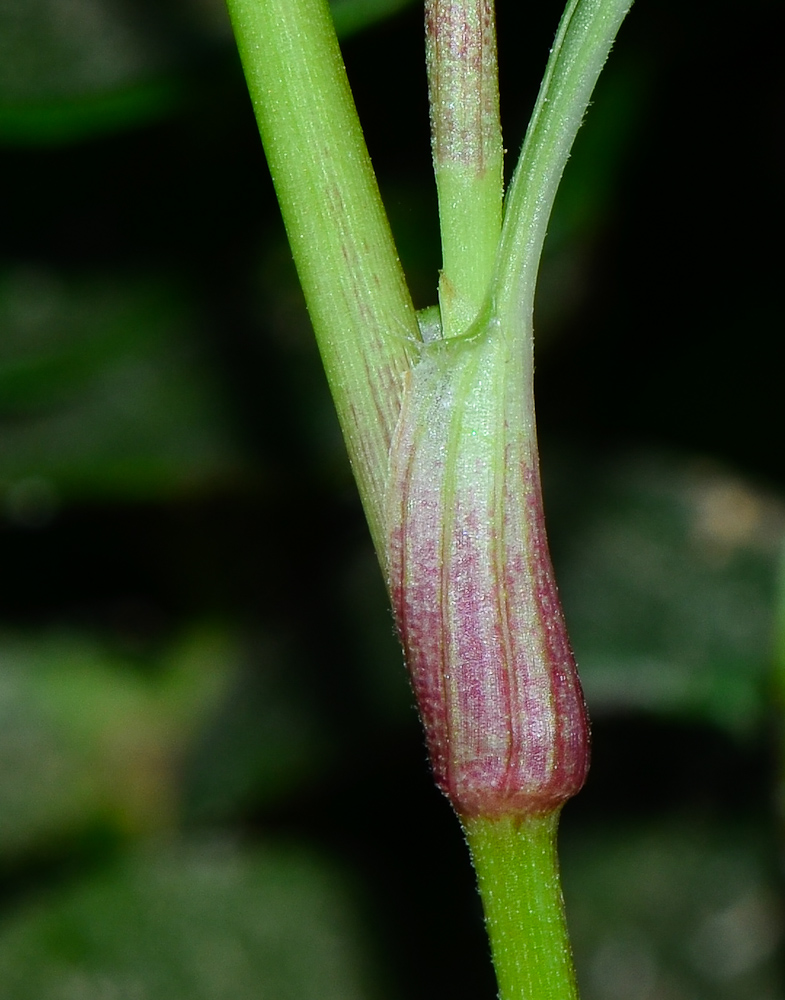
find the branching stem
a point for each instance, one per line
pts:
(371, 344)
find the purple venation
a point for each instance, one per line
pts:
(479, 616)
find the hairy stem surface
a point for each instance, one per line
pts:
(518, 877)
(463, 86)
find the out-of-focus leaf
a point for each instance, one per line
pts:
(86, 737)
(587, 197)
(69, 68)
(89, 735)
(73, 68)
(260, 741)
(104, 392)
(64, 121)
(588, 189)
(667, 570)
(190, 923)
(351, 16)
(779, 628)
(682, 910)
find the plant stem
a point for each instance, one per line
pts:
(463, 87)
(422, 420)
(354, 286)
(583, 41)
(518, 877)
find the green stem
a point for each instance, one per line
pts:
(518, 877)
(357, 297)
(463, 85)
(583, 41)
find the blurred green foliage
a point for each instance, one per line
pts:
(677, 908)
(189, 922)
(669, 576)
(211, 775)
(103, 390)
(71, 69)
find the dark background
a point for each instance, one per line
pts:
(196, 659)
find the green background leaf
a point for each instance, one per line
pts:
(191, 922)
